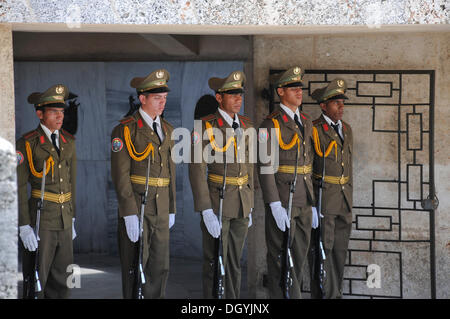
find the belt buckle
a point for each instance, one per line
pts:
(240, 181)
(159, 182)
(342, 180)
(61, 198)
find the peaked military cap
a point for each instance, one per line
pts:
(55, 96)
(232, 84)
(155, 82)
(333, 91)
(292, 77)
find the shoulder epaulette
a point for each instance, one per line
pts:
(245, 118)
(316, 122)
(305, 115)
(127, 120)
(30, 134)
(67, 134)
(208, 117)
(346, 126)
(273, 114)
(167, 123)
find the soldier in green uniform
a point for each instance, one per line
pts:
(48, 142)
(206, 177)
(292, 129)
(334, 136)
(138, 136)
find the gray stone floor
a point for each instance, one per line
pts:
(100, 278)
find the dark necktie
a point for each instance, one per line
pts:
(237, 131)
(300, 126)
(336, 128)
(53, 136)
(156, 131)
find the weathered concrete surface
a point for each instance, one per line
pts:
(218, 12)
(375, 155)
(8, 221)
(7, 126)
(8, 194)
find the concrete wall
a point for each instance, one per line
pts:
(8, 200)
(375, 153)
(219, 12)
(7, 126)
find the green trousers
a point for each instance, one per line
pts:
(155, 256)
(234, 233)
(300, 238)
(55, 254)
(336, 231)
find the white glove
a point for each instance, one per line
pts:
(29, 240)
(250, 219)
(74, 233)
(315, 218)
(280, 215)
(211, 222)
(171, 220)
(132, 225)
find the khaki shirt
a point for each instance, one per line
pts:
(337, 199)
(54, 216)
(276, 187)
(160, 200)
(206, 192)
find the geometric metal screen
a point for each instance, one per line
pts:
(392, 247)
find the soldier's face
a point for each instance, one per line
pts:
(51, 117)
(230, 103)
(291, 96)
(334, 109)
(154, 103)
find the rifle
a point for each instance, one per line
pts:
(286, 257)
(139, 269)
(219, 268)
(32, 284)
(318, 251)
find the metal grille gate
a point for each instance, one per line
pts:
(393, 212)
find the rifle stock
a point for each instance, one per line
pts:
(287, 263)
(319, 252)
(219, 267)
(138, 270)
(32, 284)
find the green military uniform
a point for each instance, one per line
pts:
(337, 194)
(276, 187)
(55, 231)
(132, 142)
(206, 180)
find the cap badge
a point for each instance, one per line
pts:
(236, 76)
(340, 83)
(59, 89)
(296, 70)
(159, 74)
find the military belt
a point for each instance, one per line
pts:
(290, 169)
(152, 181)
(52, 197)
(338, 180)
(237, 181)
